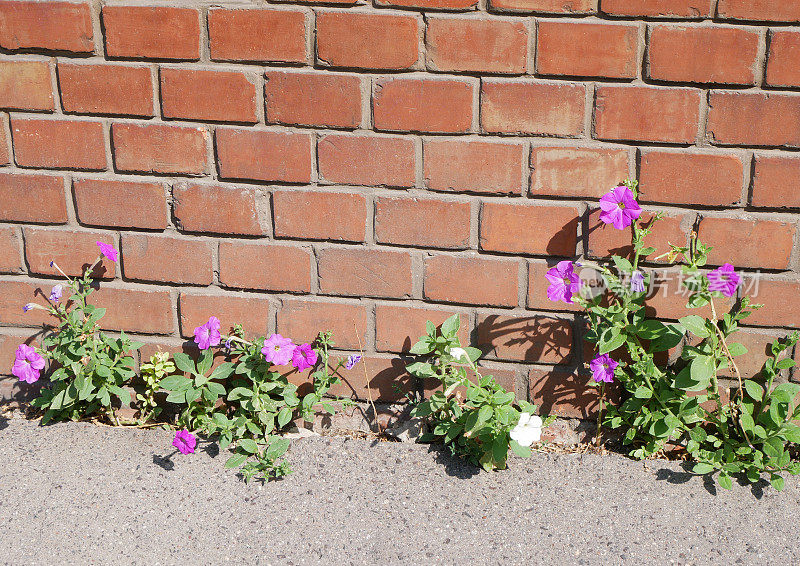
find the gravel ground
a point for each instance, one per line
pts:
(77, 493)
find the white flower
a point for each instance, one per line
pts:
(528, 429)
(459, 354)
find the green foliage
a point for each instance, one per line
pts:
(153, 372)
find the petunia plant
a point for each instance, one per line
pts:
(750, 432)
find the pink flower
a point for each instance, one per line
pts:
(278, 350)
(724, 279)
(619, 207)
(108, 251)
(602, 367)
(304, 357)
(564, 282)
(208, 334)
(28, 364)
(184, 441)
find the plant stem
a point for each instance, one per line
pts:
(597, 437)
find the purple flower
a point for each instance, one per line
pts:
(27, 364)
(184, 441)
(304, 357)
(602, 367)
(28, 307)
(564, 282)
(278, 350)
(352, 361)
(723, 279)
(637, 282)
(56, 293)
(107, 250)
(228, 344)
(619, 207)
(208, 334)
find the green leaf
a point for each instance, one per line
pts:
(702, 370)
(611, 344)
(239, 393)
(753, 389)
(519, 450)
(696, 325)
(284, 416)
(222, 371)
(702, 468)
(277, 447)
(622, 264)
(643, 392)
(451, 325)
(248, 445)
(725, 481)
(484, 414)
(236, 460)
(122, 394)
(216, 388)
(183, 362)
(422, 347)
(175, 383)
(177, 396)
(737, 349)
(777, 482)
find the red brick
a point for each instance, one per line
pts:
(765, 244)
(122, 204)
(264, 156)
(235, 210)
(367, 41)
(303, 320)
(690, 178)
(562, 392)
(759, 10)
(569, 48)
(667, 297)
(167, 259)
(219, 96)
(572, 171)
(471, 280)
(16, 294)
(159, 148)
(255, 35)
(389, 381)
(10, 246)
(407, 222)
(524, 229)
(520, 106)
(32, 198)
(475, 45)
(120, 90)
(534, 338)
(685, 9)
(430, 4)
(241, 266)
(366, 160)
(780, 300)
(753, 118)
(537, 289)
(605, 240)
(58, 144)
(757, 344)
(423, 105)
(251, 312)
(545, 6)
(54, 26)
(784, 53)
(641, 113)
(775, 181)
(720, 55)
(363, 272)
(397, 328)
(474, 166)
(317, 215)
(73, 251)
(145, 32)
(313, 99)
(135, 310)
(25, 85)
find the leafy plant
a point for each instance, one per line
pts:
(159, 367)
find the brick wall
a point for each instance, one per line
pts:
(365, 166)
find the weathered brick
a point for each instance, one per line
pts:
(5, 145)
(251, 312)
(388, 380)
(58, 144)
(532, 338)
(397, 328)
(605, 240)
(135, 310)
(25, 85)
(558, 391)
(72, 250)
(471, 280)
(572, 171)
(537, 289)
(318, 215)
(313, 99)
(52, 26)
(430, 4)
(780, 298)
(15, 294)
(117, 90)
(684, 9)
(219, 96)
(525, 229)
(242, 266)
(369, 160)
(759, 10)
(474, 166)
(152, 32)
(423, 105)
(477, 45)
(32, 198)
(784, 53)
(407, 222)
(525, 107)
(122, 204)
(363, 272)
(748, 243)
(690, 178)
(167, 259)
(367, 41)
(235, 209)
(754, 118)
(264, 156)
(571, 49)
(775, 181)
(546, 6)
(157, 148)
(302, 320)
(641, 113)
(10, 246)
(720, 55)
(256, 35)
